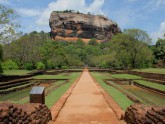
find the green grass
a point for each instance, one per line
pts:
(19, 86)
(124, 90)
(59, 76)
(16, 72)
(21, 99)
(125, 76)
(22, 96)
(152, 70)
(147, 97)
(54, 96)
(119, 97)
(16, 96)
(151, 84)
(49, 89)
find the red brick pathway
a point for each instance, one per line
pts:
(86, 105)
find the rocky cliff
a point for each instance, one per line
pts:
(70, 26)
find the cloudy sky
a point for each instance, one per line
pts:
(148, 15)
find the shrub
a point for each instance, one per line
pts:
(1, 70)
(40, 65)
(9, 65)
(64, 67)
(28, 66)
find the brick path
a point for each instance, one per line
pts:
(86, 105)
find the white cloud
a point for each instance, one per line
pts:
(28, 12)
(159, 33)
(131, 0)
(4, 2)
(153, 5)
(77, 5)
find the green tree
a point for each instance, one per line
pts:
(138, 35)
(139, 40)
(160, 49)
(40, 65)
(9, 65)
(28, 66)
(1, 52)
(26, 49)
(8, 22)
(131, 51)
(159, 52)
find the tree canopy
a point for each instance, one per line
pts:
(159, 52)
(8, 23)
(37, 50)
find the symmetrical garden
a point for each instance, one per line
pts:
(125, 88)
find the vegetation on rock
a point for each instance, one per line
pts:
(36, 50)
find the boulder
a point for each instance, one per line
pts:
(71, 26)
(142, 114)
(24, 114)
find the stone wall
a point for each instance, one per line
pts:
(6, 78)
(148, 75)
(141, 114)
(149, 88)
(24, 114)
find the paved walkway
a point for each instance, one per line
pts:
(86, 105)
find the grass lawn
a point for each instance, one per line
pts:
(16, 96)
(151, 84)
(58, 76)
(152, 70)
(22, 96)
(124, 90)
(54, 96)
(147, 97)
(16, 72)
(125, 76)
(119, 97)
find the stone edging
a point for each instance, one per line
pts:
(55, 109)
(149, 88)
(131, 97)
(113, 105)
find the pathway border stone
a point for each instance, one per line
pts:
(113, 105)
(55, 109)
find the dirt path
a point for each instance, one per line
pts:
(86, 105)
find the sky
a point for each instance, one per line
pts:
(147, 15)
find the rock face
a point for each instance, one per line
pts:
(70, 25)
(141, 114)
(24, 114)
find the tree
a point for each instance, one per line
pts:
(26, 49)
(138, 39)
(159, 51)
(9, 65)
(40, 65)
(8, 22)
(138, 35)
(1, 52)
(130, 51)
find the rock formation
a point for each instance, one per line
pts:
(29, 113)
(71, 26)
(141, 114)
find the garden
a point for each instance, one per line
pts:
(17, 91)
(127, 89)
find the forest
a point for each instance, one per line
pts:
(127, 50)
(36, 50)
